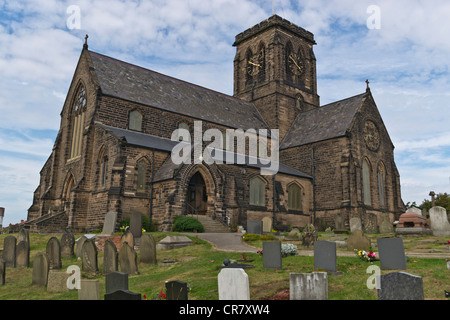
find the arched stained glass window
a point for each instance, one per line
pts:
(366, 182)
(381, 186)
(135, 121)
(257, 194)
(294, 197)
(141, 172)
(78, 115)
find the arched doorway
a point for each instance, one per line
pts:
(197, 196)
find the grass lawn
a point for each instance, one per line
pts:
(198, 266)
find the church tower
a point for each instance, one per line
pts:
(275, 68)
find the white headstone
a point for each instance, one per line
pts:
(415, 210)
(308, 286)
(439, 222)
(355, 224)
(233, 284)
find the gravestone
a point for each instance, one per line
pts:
(439, 222)
(9, 251)
(41, 268)
(171, 242)
(136, 224)
(339, 224)
(110, 257)
(325, 256)
(89, 290)
(255, 227)
(233, 284)
(415, 210)
(308, 286)
(54, 253)
(123, 295)
(391, 253)
(57, 281)
(23, 235)
(80, 243)
(116, 281)
(385, 225)
(355, 224)
(400, 286)
(309, 235)
(89, 259)
(358, 241)
(148, 249)
(176, 290)
(128, 238)
(272, 258)
(128, 260)
(109, 225)
(2, 271)
(67, 244)
(266, 225)
(23, 254)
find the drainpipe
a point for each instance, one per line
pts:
(314, 184)
(151, 186)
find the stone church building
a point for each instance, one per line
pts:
(113, 149)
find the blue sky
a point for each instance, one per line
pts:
(406, 60)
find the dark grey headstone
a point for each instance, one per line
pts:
(136, 224)
(2, 271)
(116, 281)
(40, 270)
(23, 254)
(89, 260)
(110, 257)
(54, 253)
(67, 244)
(254, 227)
(272, 258)
(9, 251)
(391, 253)
(128, 259)
(123, 295)
(325, 256)
(176, 290)
(400, 286)
(148, 249)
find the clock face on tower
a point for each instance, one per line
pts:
(295, 64)
(255, 63)
(371, 135)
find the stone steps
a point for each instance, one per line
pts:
(211, 226)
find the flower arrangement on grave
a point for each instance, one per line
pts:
(288, 249)
(366, 256)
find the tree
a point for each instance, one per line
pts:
(441, 200)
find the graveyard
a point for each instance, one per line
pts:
(199, 264)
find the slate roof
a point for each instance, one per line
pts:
(323, 123)
(133, 83)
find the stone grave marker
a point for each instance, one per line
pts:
(123, 295)
(9, 251)
(339, 224)
(385, 225)
(136, 224)
(41, 268)
(255, 227)
(80, 241)
(309, 235)
(54, 253)
(128, 260)
(171, 242)
(266, 225)
(358, 241)
(272, 258)
(116, 281)
(89, 256)
(89, 290)
(57, 281)
(325, 257)
(2, 271)
(391, 253)
(109, 225)
(67, 244)
(23, 254)
(439, 222)
(128, 238)
(355, 224)
(110, 257)
(233, 284)
(148, 249)
(176, 290)
(308, 286)
(23, 235)
(400, 286)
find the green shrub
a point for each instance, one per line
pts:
(255, 237)
(187, 224)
